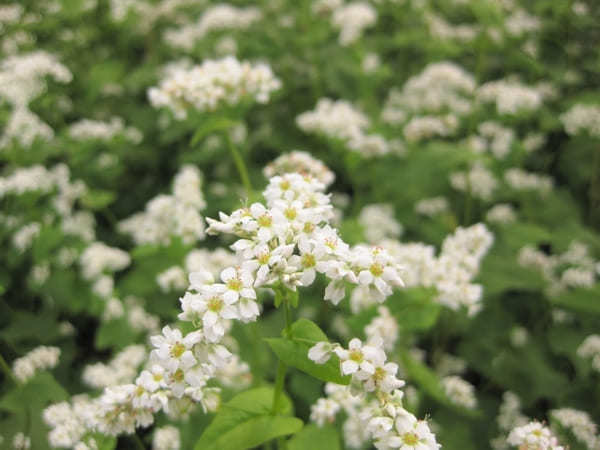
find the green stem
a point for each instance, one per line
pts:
(281, 367)
(240, 165)
(279, 381)
(7, 372)
(138, 442)
(594, 192)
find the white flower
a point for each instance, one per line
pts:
(238, 283)
(173, 351)
(320, 352)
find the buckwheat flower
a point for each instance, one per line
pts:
(502, 213)
(431, 206)
(324, 411)
(379, 223)
(21, 441)
(479, 181)
(40, 358)
(301, 162)
(352, 19)
(358, 358)
(383, 327)
(214, 310)
(172, 350)
(153, 379)
(166, 438)
(238, 283)
(459, 391)
(533, 436)
(590, 348)
(376, 269)
(321, 352)
(581, 425)
(172, 278)
(581, 118)
(409, 434)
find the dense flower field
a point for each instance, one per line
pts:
(300, 224)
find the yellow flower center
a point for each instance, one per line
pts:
(177, 350)
(178, 376)
(379, 374)
(284, 185)
(308, 260)
(139, 391)
(309, 227)
(234, 284)
(376, 269)
(215, 304)
(356, 355)
(290, 213)
(263, 258)
(265, 220)
(410, 439)
(157, 377)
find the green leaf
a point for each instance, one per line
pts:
(313, 437)
(97, 199)
(211, 126)
(293, 351)
(245, 422)
(414, 308)
(27, 403)
(582, 300)
(430, 383)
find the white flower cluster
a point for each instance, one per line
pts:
(419, 128)
(509, 417)
(213, 84)
(452, 272)
(478, 182)
(581, 118)
(580, 424)
(522, 180)
(441, 87)
(123, 368)
(352, 19)
(21, 441)
(383, 327)
(511, 97)
(68, 424)
(383, 420)
(443, 30)
(105, 131)
(285, 243)
(22, 78)
(23, 238)
(218, 17)
(341, 120)
(502, 213)
(99, 258)
(291, 241)
(432, 206)
(166, 216)
(533, 436)
(379, 222)
(40, 358)
(590, 348)
(66, 193)
(172, 279)
(574, 268)
(520, 22)
(459, 391)
(492, 137)
(301, 162)
(166, 438)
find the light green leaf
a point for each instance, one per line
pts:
(414, 308)
(293, 351)
(313, 437)
(245, 422)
